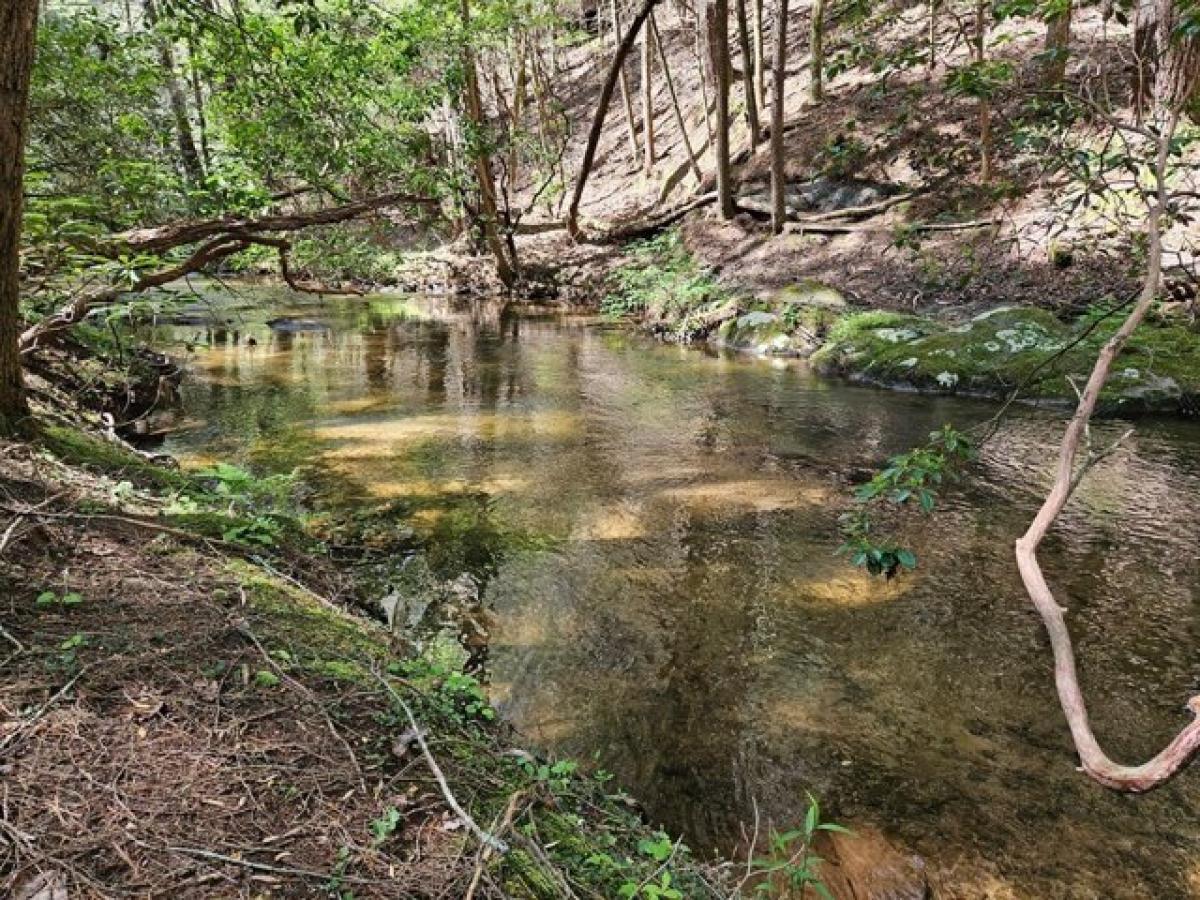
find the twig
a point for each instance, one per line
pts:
(313, 699)
(505, 821)
(43, 709)
(484, 838)
(264, 867)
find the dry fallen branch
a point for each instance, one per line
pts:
(488, 840)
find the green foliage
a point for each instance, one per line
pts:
(980, 79)
(65, 600)
(662, 277)
(385, 826)
(911, 478)
(790, 863)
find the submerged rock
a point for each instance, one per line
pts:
(866, 866)
(289, 325)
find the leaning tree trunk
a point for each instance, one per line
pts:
(816, 46)
(18, 30)
(189, 156)
(760, 59)
(717, 14)
(606, 92)
(779, 80)
(1092, 758)
(630, 123)
(675, 107)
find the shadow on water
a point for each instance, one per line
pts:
(656, 532)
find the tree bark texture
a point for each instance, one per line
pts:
(18, 31)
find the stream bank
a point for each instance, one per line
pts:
(185, 672)
(1032, 352)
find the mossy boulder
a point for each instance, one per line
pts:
(765, 333)
(1006, 348)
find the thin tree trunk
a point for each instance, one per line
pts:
(489, 213)
(717, 13)
(703, 66)
(679, 119)
(931, 37)
(985, 104)
(606, 92)
(189, 156)
(635, 149)
(1092, 758)
(648, 101)
(816, 87)
(760, 59)
(201, 116)
(18, 31)
(743, 29)
(778, 82)
(1058, 49)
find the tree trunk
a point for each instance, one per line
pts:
(760, 59)
(606, 92)
(816, 87)
(778, 82)
(648, 101)
(18, 31)
(489, 213)
(979, 45)
(931, 37)
(635, 149)
(189, 156)
(703, 64)
(1058, 49)
(679, 119)
(1092, 758)
(717, 15)
(743, 28)
(1168, 58)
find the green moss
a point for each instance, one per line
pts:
(78, 448)
(992, 354)
(313, 632)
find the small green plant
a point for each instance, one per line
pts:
(658, 885)
(265, 678)
(68, 651)
(909, 478)
(52, 598)
(557, 776)
(385, 826)
(791, 863)
(261, 530)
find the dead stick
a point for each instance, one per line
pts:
(486, 839)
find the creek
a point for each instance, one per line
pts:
(654, 529)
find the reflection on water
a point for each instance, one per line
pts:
(656, 530)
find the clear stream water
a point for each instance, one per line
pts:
(655, 529)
